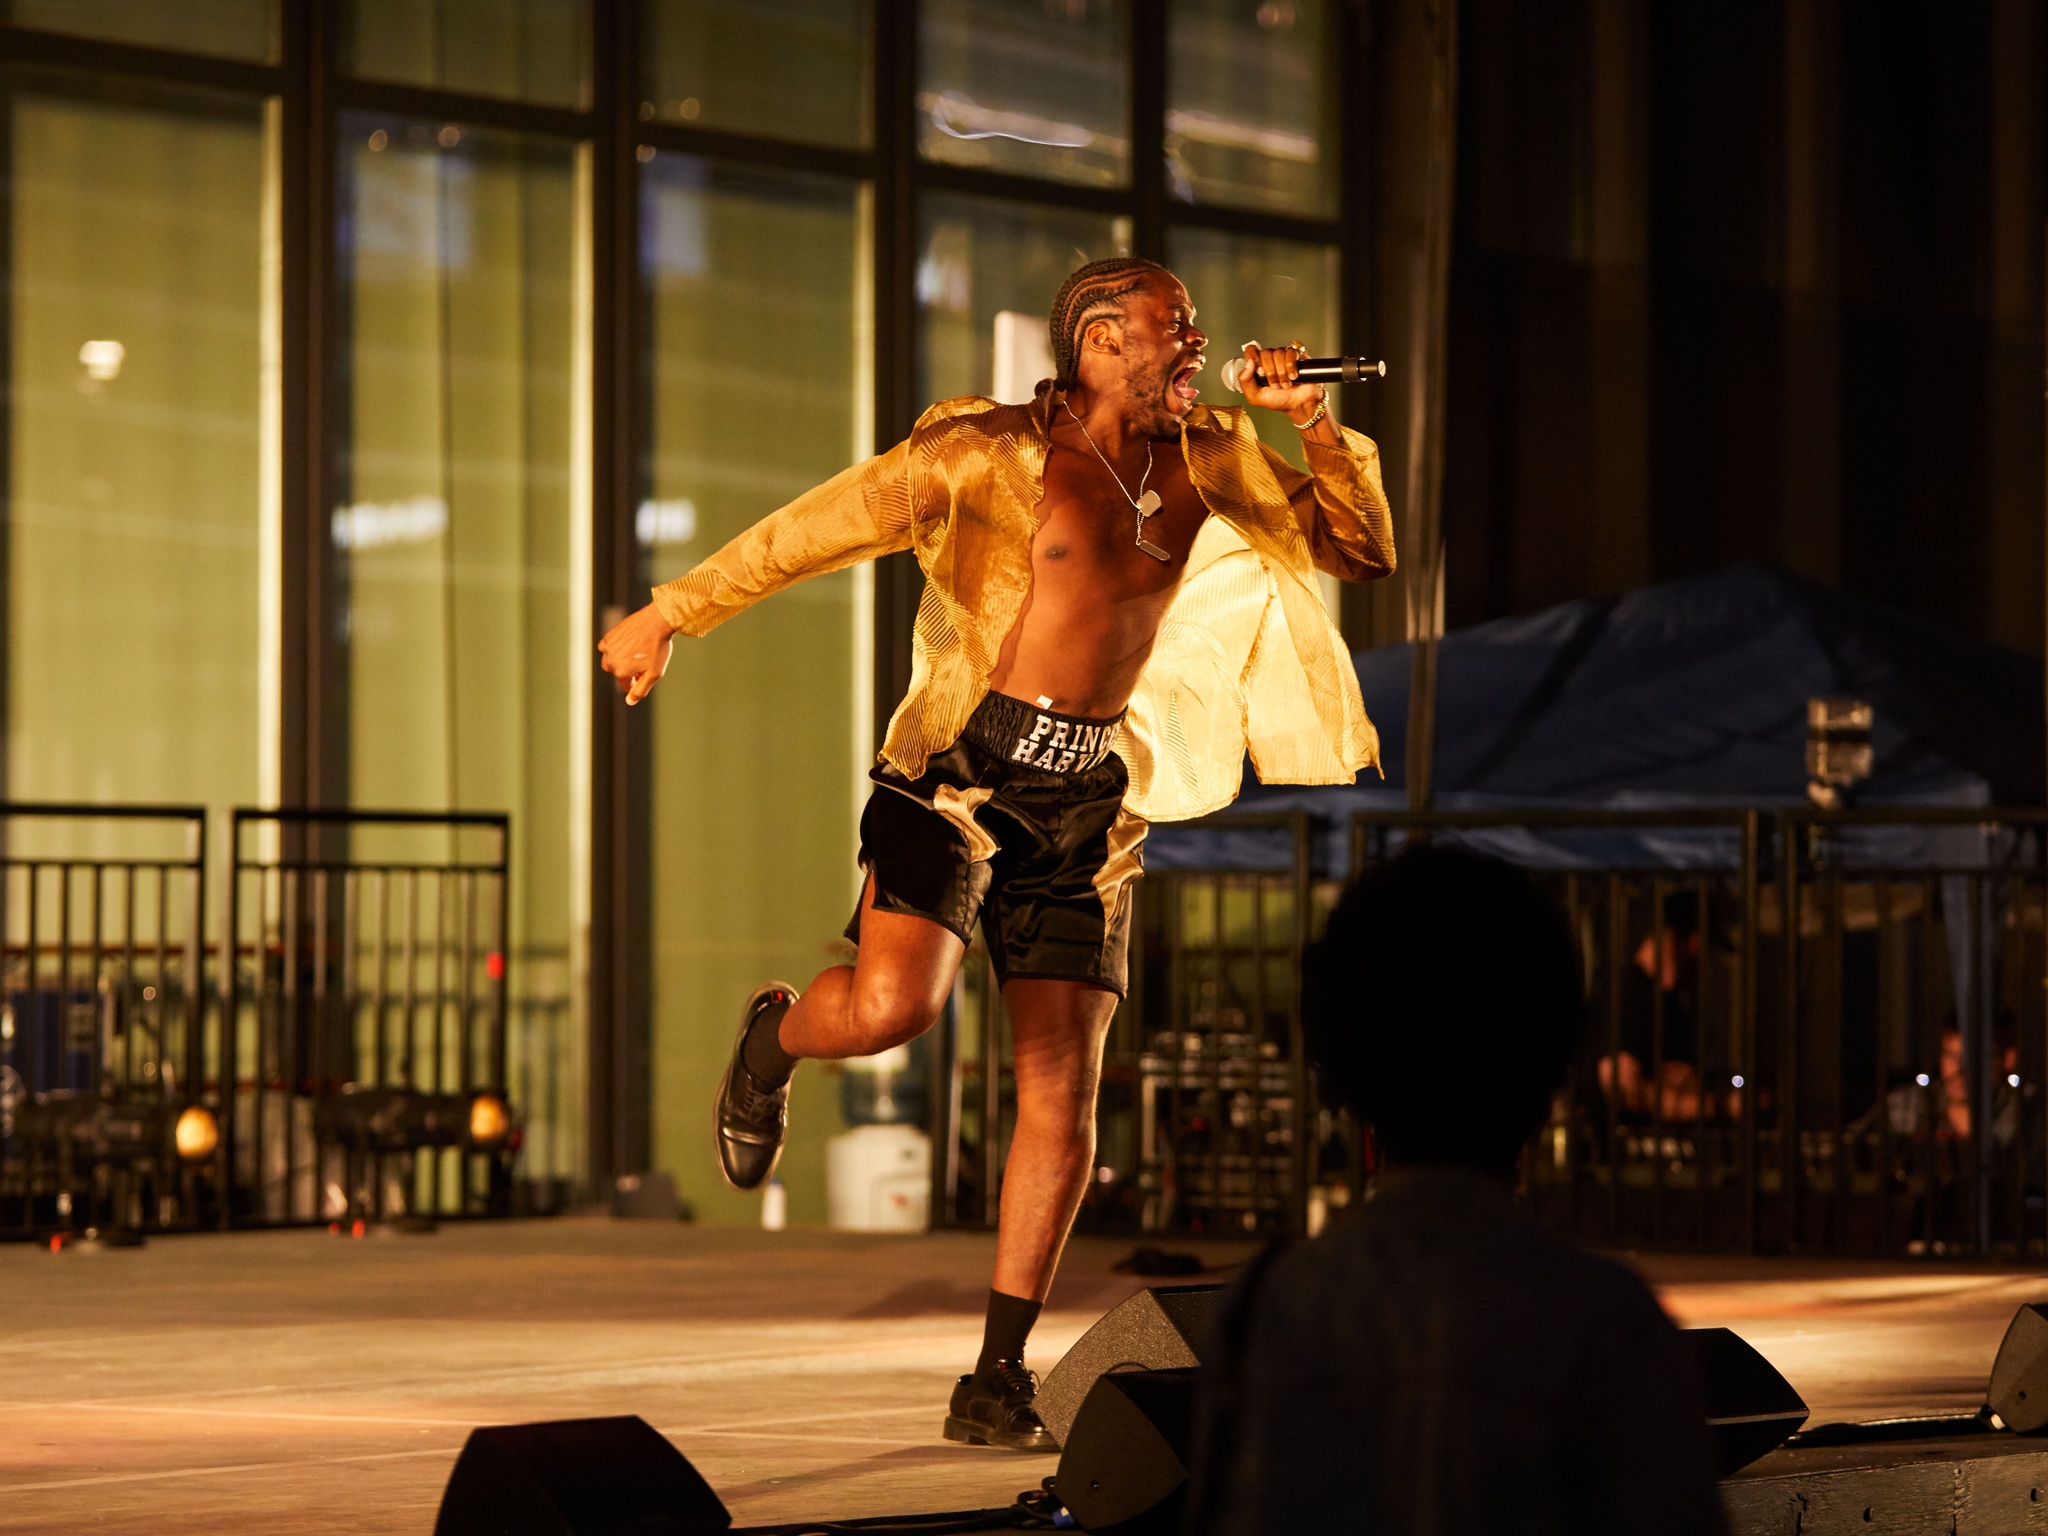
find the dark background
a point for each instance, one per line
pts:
(1747, 281)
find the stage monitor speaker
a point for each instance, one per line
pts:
(1163, 1327)
(1751, 1409)
(2019, 1376)
(1125, 1466)
(576, 1477)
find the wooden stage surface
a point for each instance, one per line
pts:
(295, 1381)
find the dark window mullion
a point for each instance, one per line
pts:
(20, 45)
(931, 176)
(716, 144)
(441, 106)
(1261, 225)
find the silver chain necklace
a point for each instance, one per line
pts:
(1145, 503)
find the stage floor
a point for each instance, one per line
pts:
(295, 1381)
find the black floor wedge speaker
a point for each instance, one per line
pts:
(1125, 1466)
(576, 1477)
(2019, 1376)
(1164, 1327)
(1751, 1409)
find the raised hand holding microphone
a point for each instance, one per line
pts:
(1270, 377)
(1315, 370)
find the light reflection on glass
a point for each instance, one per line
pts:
(460, 511)
(988, 269)
(1269, 291)
(525, 50)
(1251, 118)
(134, 476)
(234, 29)
(1031, 87)
(786, 69)
(762, 730)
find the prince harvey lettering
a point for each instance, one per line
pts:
(1063, 746)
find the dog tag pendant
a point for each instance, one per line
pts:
(1147, 505)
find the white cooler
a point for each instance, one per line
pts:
(878, 1178)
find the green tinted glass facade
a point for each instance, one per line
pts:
(141, 543)
(986, 274)
(1251, 118)
(235, 29)
(760, 729)
(460, 513)
(366, 360)
(783, 69)
(1269, 291)
(1017, 86)
(526, 50)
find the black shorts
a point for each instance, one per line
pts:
(1021, 822)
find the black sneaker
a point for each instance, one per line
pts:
(999, 1409)
(748, 1121)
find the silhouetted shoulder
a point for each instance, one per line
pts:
(1435, 1358)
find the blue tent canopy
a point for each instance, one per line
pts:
(1689, 693)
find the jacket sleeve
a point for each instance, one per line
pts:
(1341, 506)
(859, 514)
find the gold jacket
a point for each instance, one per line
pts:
(1246, 658)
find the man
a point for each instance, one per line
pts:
(1434, 1363)
(1119, 600)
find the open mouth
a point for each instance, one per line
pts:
(1184, 382)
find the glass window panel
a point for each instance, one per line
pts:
(1270, 291)
(139, 484)
(762, 730)
(235, 29)
(1028, 86)
(786, 69)
(528, 50)
(987, 271)
(458, 535)
(1250, 118)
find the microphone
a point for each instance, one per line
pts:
(1311, 370)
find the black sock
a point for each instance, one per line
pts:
(1009, 1324)
(765, 1059)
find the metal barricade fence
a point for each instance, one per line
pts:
(1655, 1137)
(364, 985)
(103, 1044)
(1807, 1031)
(1910, 1106)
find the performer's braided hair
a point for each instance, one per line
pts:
(1089, 293)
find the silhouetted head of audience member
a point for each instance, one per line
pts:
(1443, 1005)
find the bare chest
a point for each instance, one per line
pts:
(1089, 532)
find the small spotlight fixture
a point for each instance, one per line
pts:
(406, 1119)
(196, 1133)
(89, 1129)
(1921, 1079)
(490, 1121)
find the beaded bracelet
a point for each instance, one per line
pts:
(1321, 410)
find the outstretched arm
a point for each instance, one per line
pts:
(859, 514)
(1340, 504)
